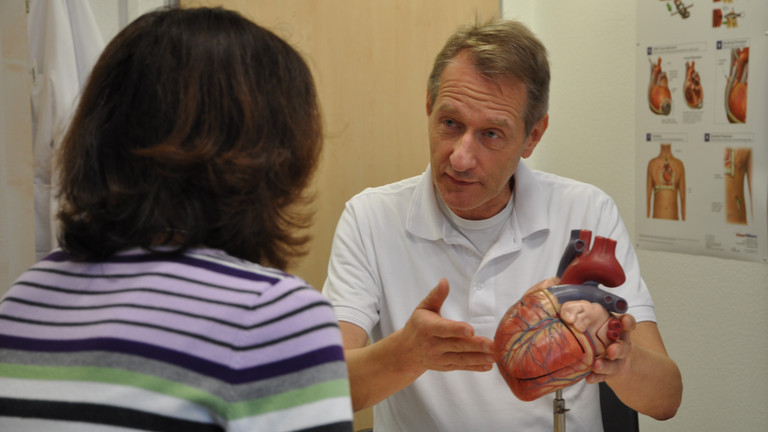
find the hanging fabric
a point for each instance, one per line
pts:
(64, 43)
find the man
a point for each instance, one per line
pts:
(486, 225)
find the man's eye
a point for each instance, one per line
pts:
(492, 134)
(449, 123)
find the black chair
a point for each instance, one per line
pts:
(617, 417)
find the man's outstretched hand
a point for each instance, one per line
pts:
(432, 342)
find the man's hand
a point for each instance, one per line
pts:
(431, 342)
(426, 342)
(617, 354)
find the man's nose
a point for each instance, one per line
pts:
(463, 156)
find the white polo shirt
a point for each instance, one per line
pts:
(392, 246)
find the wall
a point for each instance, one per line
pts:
(113, 15)
(17, 230)
(711, 311)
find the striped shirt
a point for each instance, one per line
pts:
(194, 342)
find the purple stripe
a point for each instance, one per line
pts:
(61, 256)
(229, 375)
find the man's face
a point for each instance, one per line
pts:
(476, 139)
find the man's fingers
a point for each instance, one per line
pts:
(438, 326)
(447, 329)
(476, 362)
(434, 300)
(471, 345)
(451, 353)
(628, 323)
(446, 344)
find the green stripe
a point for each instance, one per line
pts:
(232, 411)
(314, 393)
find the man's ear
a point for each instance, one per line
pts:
(429, 105)
(535, 136)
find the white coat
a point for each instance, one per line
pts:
(64, 43)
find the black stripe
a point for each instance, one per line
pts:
(170, 330)
(100, 414)
(137, 275)
(335, 427)
(309, 306)
(126, 290)
(163, 292)
(209, 263)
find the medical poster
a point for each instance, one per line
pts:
(702, 127)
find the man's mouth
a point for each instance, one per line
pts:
(459, 181)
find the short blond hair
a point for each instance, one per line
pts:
(501, 49)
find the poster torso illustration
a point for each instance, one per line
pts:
(702, 125)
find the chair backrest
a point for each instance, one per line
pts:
(617, 417)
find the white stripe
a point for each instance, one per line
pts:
(104, 394)
(326, 411)
(15, 424)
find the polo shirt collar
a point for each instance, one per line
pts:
(424, 216)
(529, 214)
(532, 202)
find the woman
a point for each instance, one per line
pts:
(167, 307)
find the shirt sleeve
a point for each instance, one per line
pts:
(634, 289)
(353, 285)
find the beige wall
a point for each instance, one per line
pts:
(370, 59)
(17, 241)
(711, 312)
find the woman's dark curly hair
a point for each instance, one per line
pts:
(197, 127)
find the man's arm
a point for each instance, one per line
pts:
(639, 370)
(427, 341)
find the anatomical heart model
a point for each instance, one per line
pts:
(536, 350)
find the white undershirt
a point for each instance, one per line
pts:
(481, 233)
